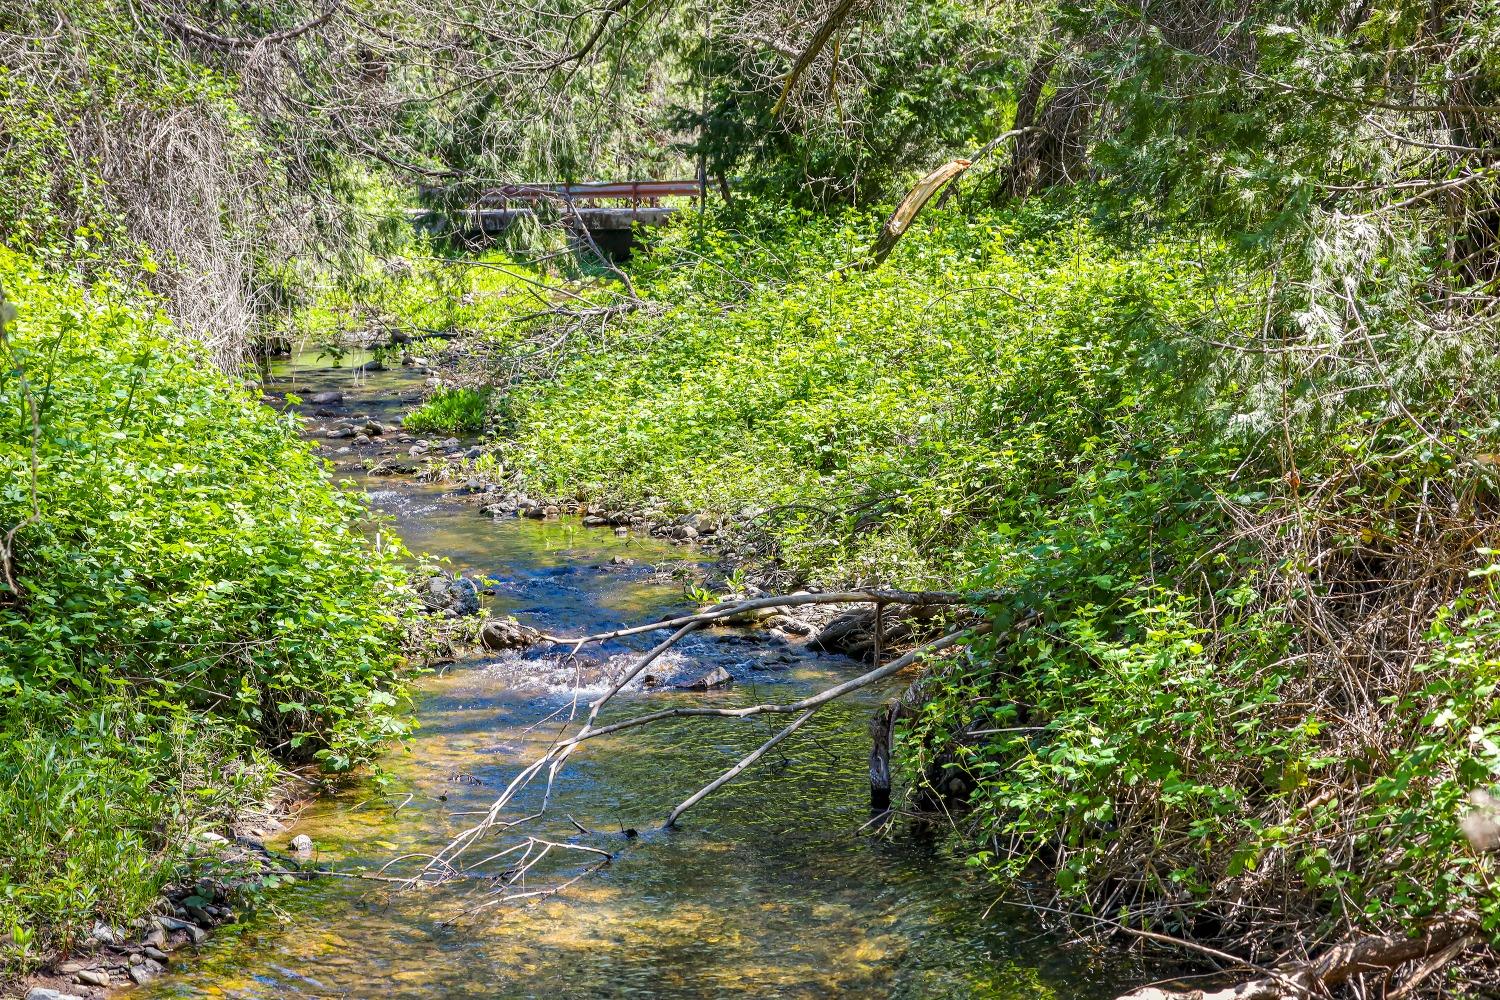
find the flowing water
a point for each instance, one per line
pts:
(769, 889)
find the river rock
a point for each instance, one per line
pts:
(703, 524)
(43, 993)
(93, 977)
(684, 533)
(716, 678)
(458, 595)
(341, 432)
(146, 971)
(103, 933)
(473, 453)
(195, 933)
(324, 398)
(789, 624)
(302, 844)
(505, 633)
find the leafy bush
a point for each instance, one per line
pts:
(450, 410)
(184, 592)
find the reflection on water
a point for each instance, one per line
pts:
(769, 890)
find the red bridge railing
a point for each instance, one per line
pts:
(635, 192)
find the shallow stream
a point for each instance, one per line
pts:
(769, 889)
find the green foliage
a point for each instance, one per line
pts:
(184, 591)
(1245, 650)
(451, 410)
(414, 293)
(934, 80)
(892, 410)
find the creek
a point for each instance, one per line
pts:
(769, 889)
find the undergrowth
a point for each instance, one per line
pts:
(186, 598)
(1240, 510)
(450, 410)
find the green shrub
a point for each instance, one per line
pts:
(185, 592)
(451, 411)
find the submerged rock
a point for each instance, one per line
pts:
(302, 844)
(323, 398)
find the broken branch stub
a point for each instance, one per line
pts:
(901, 219)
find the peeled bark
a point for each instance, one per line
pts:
(901, 219)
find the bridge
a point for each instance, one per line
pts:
(608, 211)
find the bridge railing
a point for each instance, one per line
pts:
(637, 193)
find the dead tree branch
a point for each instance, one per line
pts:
(1338, 965)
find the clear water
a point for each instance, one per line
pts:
(769, 889)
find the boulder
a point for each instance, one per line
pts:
(146, 971)
(505, 633)
(324, 398)
(789, 624)
(716, 678)
(684, 532)
(458, 595)
(103, 933)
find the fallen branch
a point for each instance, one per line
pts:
(1340, 964)
(558, 753)
(718, 612)
(738, 769)
(229, 42)
(820, 38)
